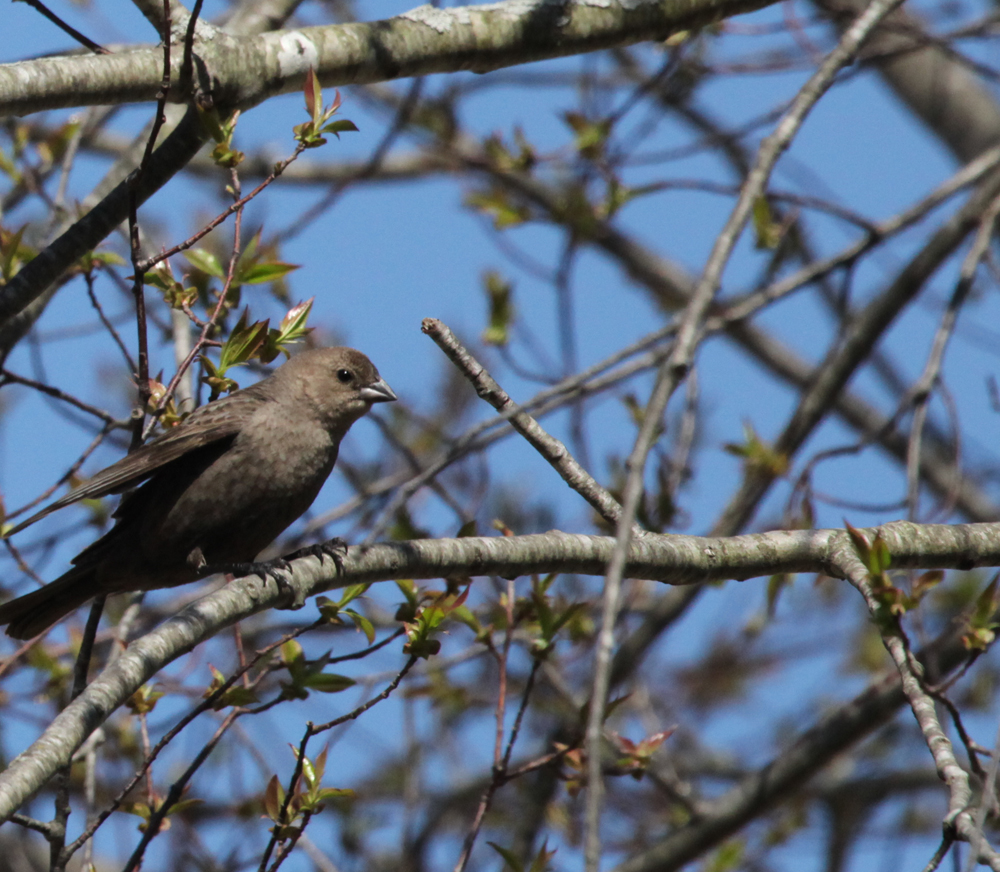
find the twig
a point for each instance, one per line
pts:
(959, 818)
(65, 27)
(588, 382)
(171, 734)
(176, 790)
(300, 758)
(58, 851)
(209, 326)
(743, 307)
(134, 181)
(940, 853)
(361, 709)
(312, 730)
(367, 171)
(279, 168)
(502, 658)
(921, 391)
(554, 451)
(6, 376)
(89, 279)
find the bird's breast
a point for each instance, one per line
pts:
(246, 497)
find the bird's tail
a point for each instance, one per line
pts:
(29, 615)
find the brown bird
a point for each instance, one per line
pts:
(219, 487)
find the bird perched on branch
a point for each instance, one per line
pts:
(211, 493)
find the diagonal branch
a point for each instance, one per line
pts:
(796, 763)
(959, 819)
(554, 451)
(87, 233)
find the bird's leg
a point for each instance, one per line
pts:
(262, 568)
(333, 548)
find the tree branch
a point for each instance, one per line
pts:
(673, 559)
(245, 71)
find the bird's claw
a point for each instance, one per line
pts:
(263, 569)
(275, 568)
(336, 549)
(272, 569)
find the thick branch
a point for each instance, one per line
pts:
(674, 559)
(241, 72)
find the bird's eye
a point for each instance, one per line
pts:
(344, 375)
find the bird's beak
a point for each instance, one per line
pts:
(379, 392)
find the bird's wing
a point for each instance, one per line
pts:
(208, 424)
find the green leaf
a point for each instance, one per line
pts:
(501, 311)
(342, 125)
(881, 558)
(469, 528)
(768, 231)
(313, 91)
(139, 809)
(591, 136)
(13, 252)
(926, 582)
(212, 122)
(328, 682)
(227, 157)
(205, 261)
(244, 342)
(159, 279)
(726, 858)
(332, 792)
(308, 772)
(509, 857)
(423, 648)
(259, 273)
(106, 258)
(757, 454)
(363, 624)
(542, 858)
(291, 652)
(320, 764)
(293, 325)
(274, 798)
(183, 805)
(353, 591)
(9, 168)
(143, 701)
(986, 604)
(236, 696)
(497, 203)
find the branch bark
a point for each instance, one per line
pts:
(240, 72)
(683, 560)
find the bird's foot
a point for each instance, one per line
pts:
(263, 569)
(276, 568)
(336, 549)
